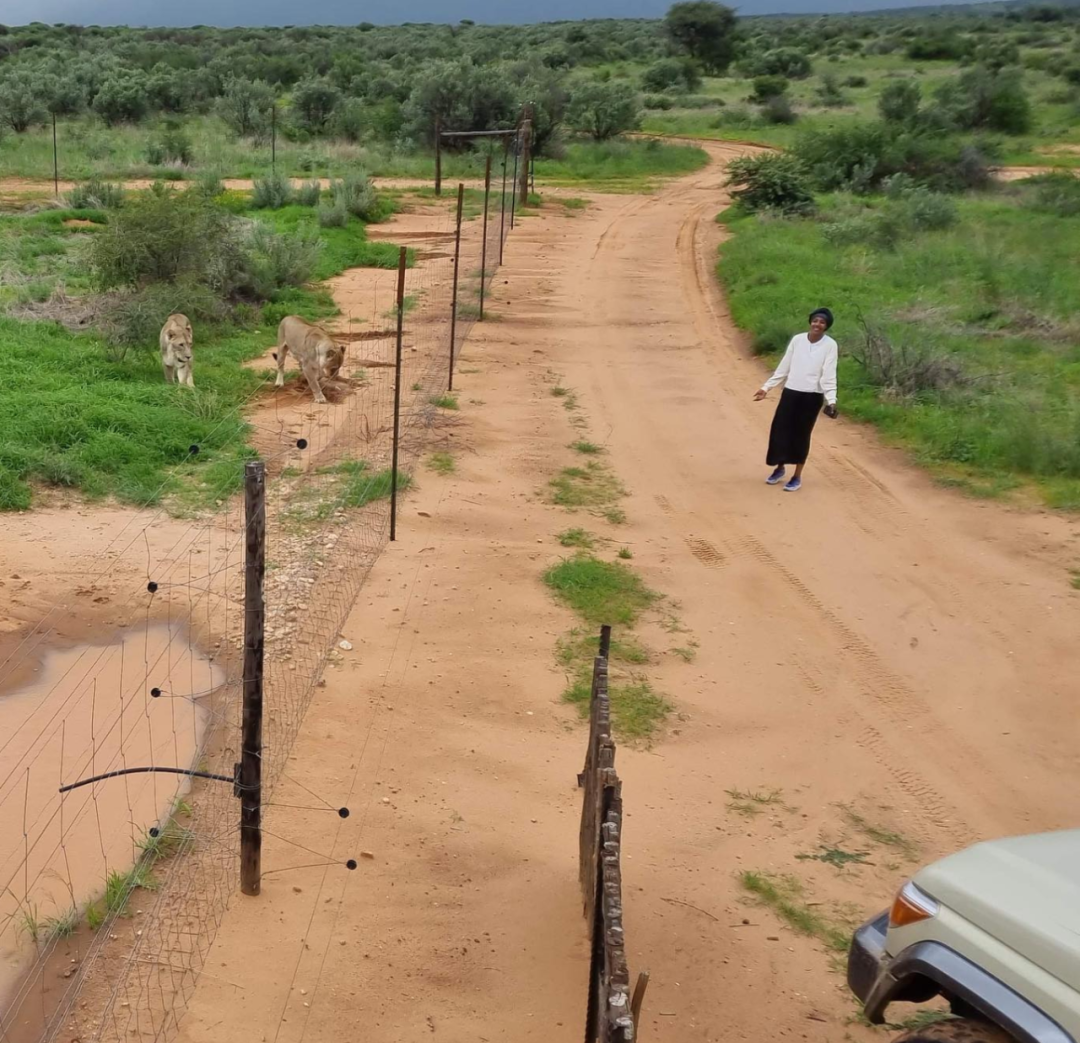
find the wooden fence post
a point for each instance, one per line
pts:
(453, 299)
(438, 157)
(483, 243)
(250, 775)
(402, 257)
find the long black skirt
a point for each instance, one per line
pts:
(792, 426)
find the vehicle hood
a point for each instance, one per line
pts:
(1024, 891)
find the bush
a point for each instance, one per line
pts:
(357, 195)
(1057, 193)
(924, 210)
(333, 215)
(671, 74)
(271, 192)
(905, 369)
(312, 105)
(829, 93)
(274, 260)
(980, 98)
(350, 120)
(171, 145)
(880, 230)
(855, 81)
(245, 107)
(778, 110)
(309, 193)
(899, 101)
(21, 101)
(96, 195)
(766, 87)
(783, 61)
(773, 181)
(603, 110)
(121, 98)
(133, 318)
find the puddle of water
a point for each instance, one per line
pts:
(90, 711)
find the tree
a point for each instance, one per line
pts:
(772, 181)
(121, 98)
(705, 31)
(980, 99)
(766, 87)
(899, 101)
(313, 103)
(245, 107)
(21, 104)
(603, 110)
(671, 74)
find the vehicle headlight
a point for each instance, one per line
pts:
(911, 906)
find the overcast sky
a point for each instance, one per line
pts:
(344, 12)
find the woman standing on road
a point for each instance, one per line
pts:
(808, 373)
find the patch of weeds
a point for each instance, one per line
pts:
(182, 807)
(687, 653)
(672, 624)
(785, 896)
(117, 891)
(62, 926)
(577, 538)
(615, 515)
(879, 834)
(29, 923)
(586, 447)
(444, 401)
(1074, 580)
(625, 553)
(418, 386)
(169, 839)
(441, 463)
(637, 709)
(573, 203)
(291, 472)
(470, 370)
(362, 489)
(600, 591)
(919, 1020)
(838, 857)
(590, 486)
(95, 915)
(751, 802)
(579, 647)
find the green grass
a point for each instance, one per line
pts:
(600, 591)
(445, 401)
(637, 710)
(95, 915)
(592, 486)
(625, 553)
(579, 647)
(880, 835)
(626, 165)
(577, 538)
(29, 923)
(63, 925)
(749, 803)
(586, 448)
(786, 897)
(77, 419)
(997, 293)
(441, 463)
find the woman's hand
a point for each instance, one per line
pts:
(832, 412)
(760, 394)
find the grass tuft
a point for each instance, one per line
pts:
(577, 538)
(441, 463)
(444, 401)
(785, 896)
(600, 591)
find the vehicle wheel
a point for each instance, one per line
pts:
(956, 1030)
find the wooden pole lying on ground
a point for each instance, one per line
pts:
(250, 774)
(402, 255)
(453, 298)
(483, 244)
(638, 998)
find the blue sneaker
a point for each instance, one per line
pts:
(793, 486)
(777, 476)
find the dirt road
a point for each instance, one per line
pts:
(894, 661)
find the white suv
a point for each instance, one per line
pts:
(995, 930)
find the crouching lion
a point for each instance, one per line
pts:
(319, 355)
(176, 355)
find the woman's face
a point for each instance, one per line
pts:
(818, 327)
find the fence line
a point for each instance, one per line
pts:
(169, 697)
(611, 1014)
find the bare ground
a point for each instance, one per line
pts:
(890, 658)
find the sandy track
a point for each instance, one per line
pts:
(873, 642)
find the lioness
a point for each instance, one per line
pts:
(319, 355)
(176, 341)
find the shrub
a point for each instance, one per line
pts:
(671, 74)
(21, 101)
(829, 93)
(921, 209)
(274, 260)
(121, 98)
(980, 98)
(313, 104)
(271, 192)
(772, 181)
(899, 101)
(766, 87)
(356, 194)
(96, 195)
(333, 215)
(778, 110)
(171, 145)
(904, 369)
(133, 318)
(603, 110)
(881, 230)
(350, 120)
(308, 193)
(1057, 193)
(855, 81)
(782, 61)
(245, 107)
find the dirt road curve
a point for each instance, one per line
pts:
(872, 641)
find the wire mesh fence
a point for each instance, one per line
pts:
(110, 894)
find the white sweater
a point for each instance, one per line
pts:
(808, 367)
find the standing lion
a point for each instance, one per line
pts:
(319, 355)
(176, 355)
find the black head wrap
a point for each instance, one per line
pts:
(825, 314)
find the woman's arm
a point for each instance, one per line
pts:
(782, 371)
(828, 375)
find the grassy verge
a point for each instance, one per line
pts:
(786, 897)
(992, 299)
(620, 165)
(77, 419)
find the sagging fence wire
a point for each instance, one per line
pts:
(113, 891)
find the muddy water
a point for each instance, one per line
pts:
(89, 710)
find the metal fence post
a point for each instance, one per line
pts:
(438, 157)
(502, 202)
(453, 299)
(273, 138)
(483, 244)
(250, 774)
(55, 160)
(402, 255)
(513, 193)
